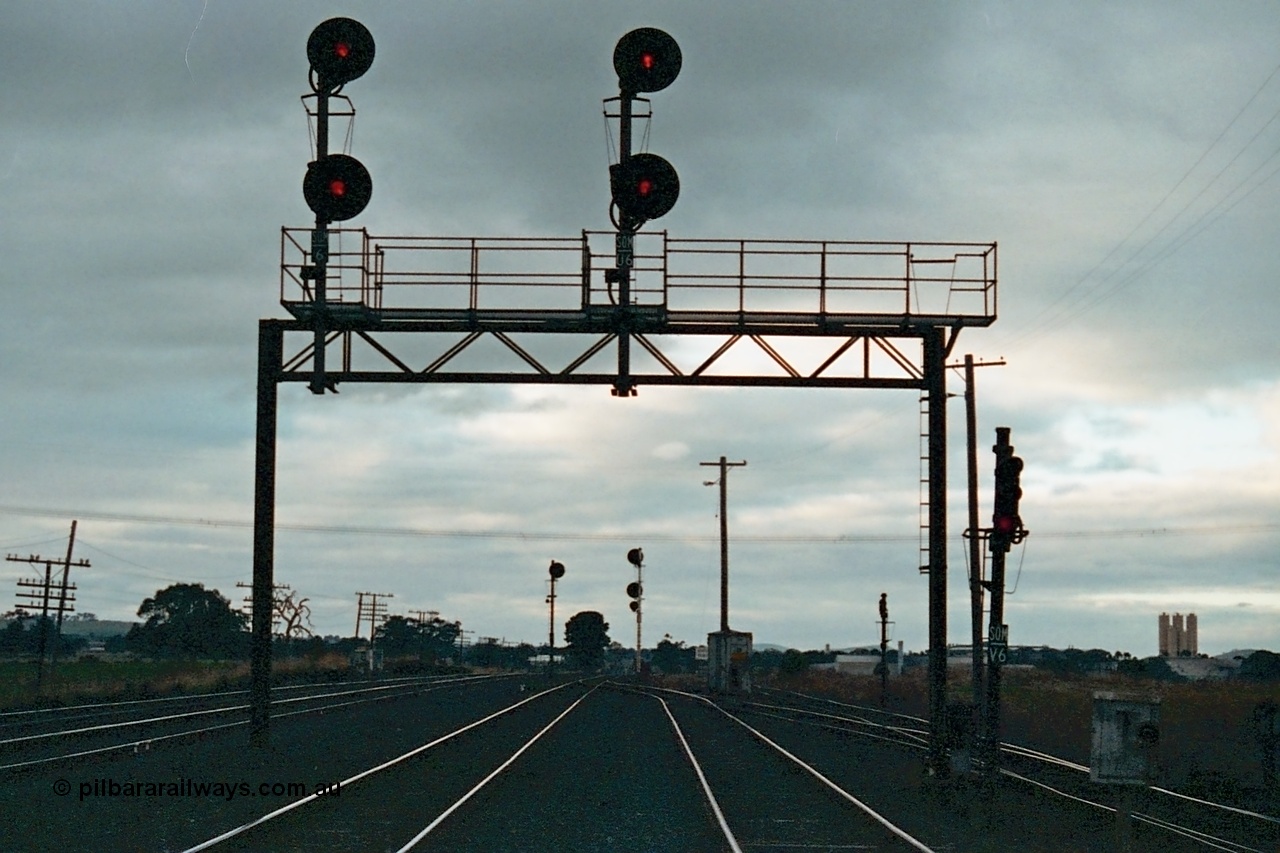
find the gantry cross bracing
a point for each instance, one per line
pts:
(849, 299)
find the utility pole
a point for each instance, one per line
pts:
(975, 544)
(247, 609)
(724, 465)
(424, 616)
(370, 609)
(367, 605)
(65, 597)
(884, 648)
(976, 573)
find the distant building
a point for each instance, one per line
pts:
(1178, 636)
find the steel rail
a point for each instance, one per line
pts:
(364, 774)
(429, 828)
(194, 697)
(916, 741)
(859, 720)
(1238, 811)
(1179, 829)
(1204, 838)
(868, 708)
(811, 770)
(1049, 758)
(1196, 835)
(146, 743)
(702, 779)
(226, 709)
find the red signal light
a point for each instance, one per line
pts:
(337, 187)
(339, 50)
(646, 187)
(647, 60)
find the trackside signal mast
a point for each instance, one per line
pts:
(1006, 530)
(883, 667)
(644, 186)
(635, 591)
(556, 571)
(337, 187)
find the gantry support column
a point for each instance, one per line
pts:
(935, 387)
(270, 354)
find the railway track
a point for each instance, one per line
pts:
(776, 799)
(1165, 820)
(500, 764)
(550, 772)
(29, 739)
(14, 723)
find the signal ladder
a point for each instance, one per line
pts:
(924, 484)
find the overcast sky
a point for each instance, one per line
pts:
(1122, 154)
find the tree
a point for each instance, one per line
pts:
(586, 636)
(398, 636)
(489, 652)
(19, 639)
(292, 611)
(1260, 666)
(794, 662)
(430, 640)
(1156, 667)
(673, 657)
(187, 620)
(13, 639)
(439, 638)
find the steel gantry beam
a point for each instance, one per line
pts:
(846, 357)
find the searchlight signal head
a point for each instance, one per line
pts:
(339, 50)
(644, 187)
(337, 187)
(647, 60)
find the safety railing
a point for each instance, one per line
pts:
(421, 275)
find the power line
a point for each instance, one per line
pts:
(560, 536)
(1061, 312)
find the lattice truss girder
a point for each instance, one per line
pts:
(874, 357)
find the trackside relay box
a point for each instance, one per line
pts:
(729, 664)
(1126, 731)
